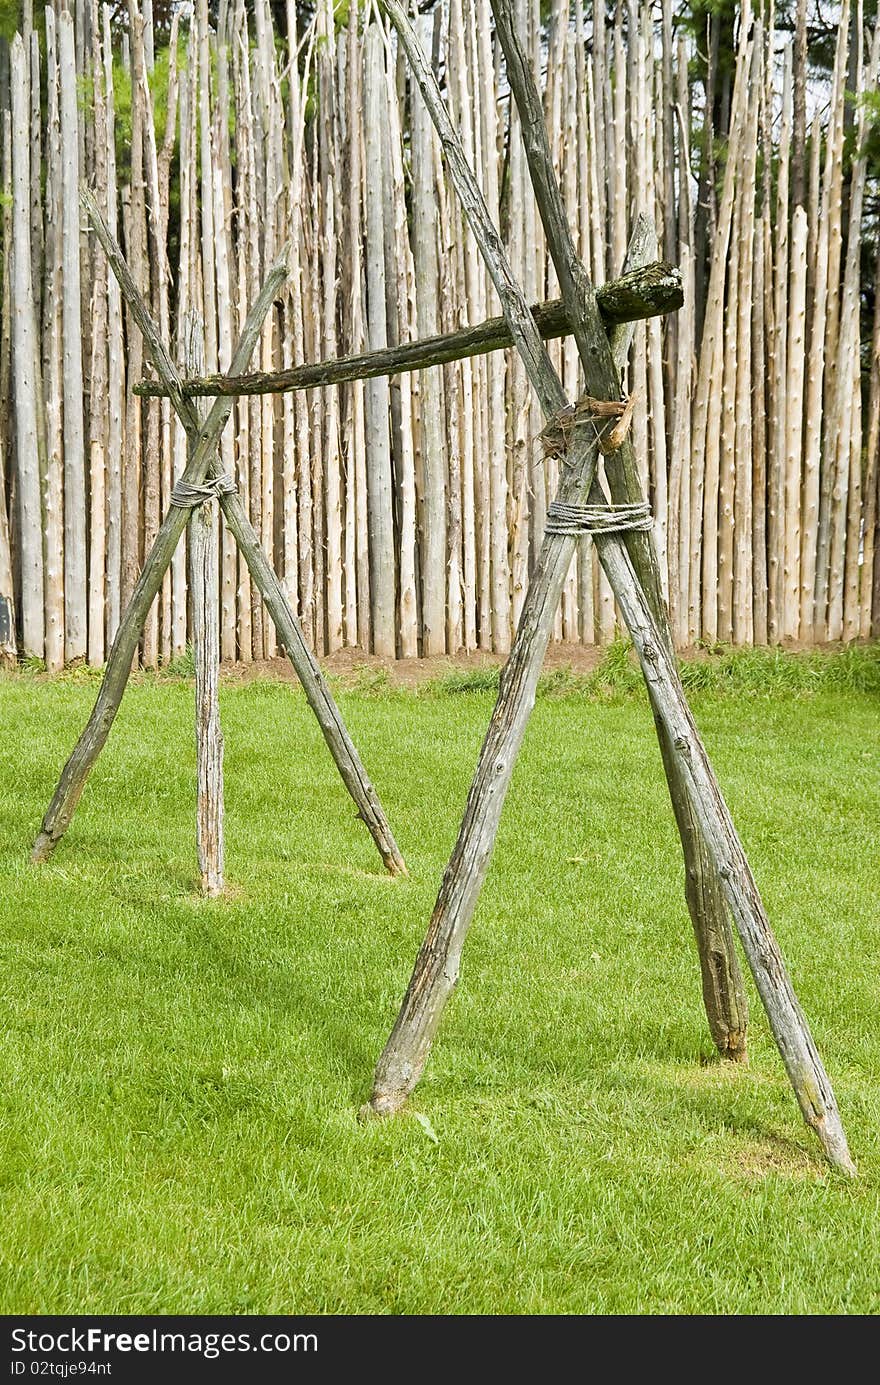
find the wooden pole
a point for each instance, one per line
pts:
(427, 276)
(704, 477)
(75, 585)
(748, 304)
(8, 651)
(723, 990)
(135, 236)
(437, 967)
(53, 499)
(647, 290)
(380, 515)
(99, 414)
(831, 228)
(871, 554)
(205, 588)
(116, 366)
(793, 428)
(24, 346)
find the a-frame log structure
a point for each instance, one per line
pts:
(203, 466)
(720, 886)
(708, 832)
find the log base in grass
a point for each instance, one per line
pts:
(42, 848)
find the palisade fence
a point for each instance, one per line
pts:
(403, 515)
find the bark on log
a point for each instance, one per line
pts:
(647, 291)
(380, 481)
(24, 349)
(75, 584)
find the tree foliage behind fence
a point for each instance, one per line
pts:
(403, 515)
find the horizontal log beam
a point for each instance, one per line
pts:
(646, 292)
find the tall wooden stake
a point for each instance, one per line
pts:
(205, 588)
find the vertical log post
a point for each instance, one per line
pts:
(436, 970)
(24, 349)
(205, 588)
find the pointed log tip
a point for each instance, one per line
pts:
(396, 867)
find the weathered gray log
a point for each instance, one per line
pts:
(202, 462)
(377, 396)
(645, 291)
(204, 583)
(787, 1020)
(437, 965)
(205, 588)
(75, 569)
(25, 355)
(724, 994)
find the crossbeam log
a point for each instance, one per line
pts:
(645, 291)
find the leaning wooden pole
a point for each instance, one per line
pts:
(723, 990)
(201, 463)
(437, 965)
(647, 290)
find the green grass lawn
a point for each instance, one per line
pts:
(180, 1078)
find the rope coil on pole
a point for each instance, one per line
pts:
(598, 519)
(186, 496)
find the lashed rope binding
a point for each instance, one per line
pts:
(556, 432)
(598, 519)
(186, 496)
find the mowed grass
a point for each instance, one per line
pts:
(181, 1078)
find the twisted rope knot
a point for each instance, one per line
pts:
(598, 519)
(186, 496)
